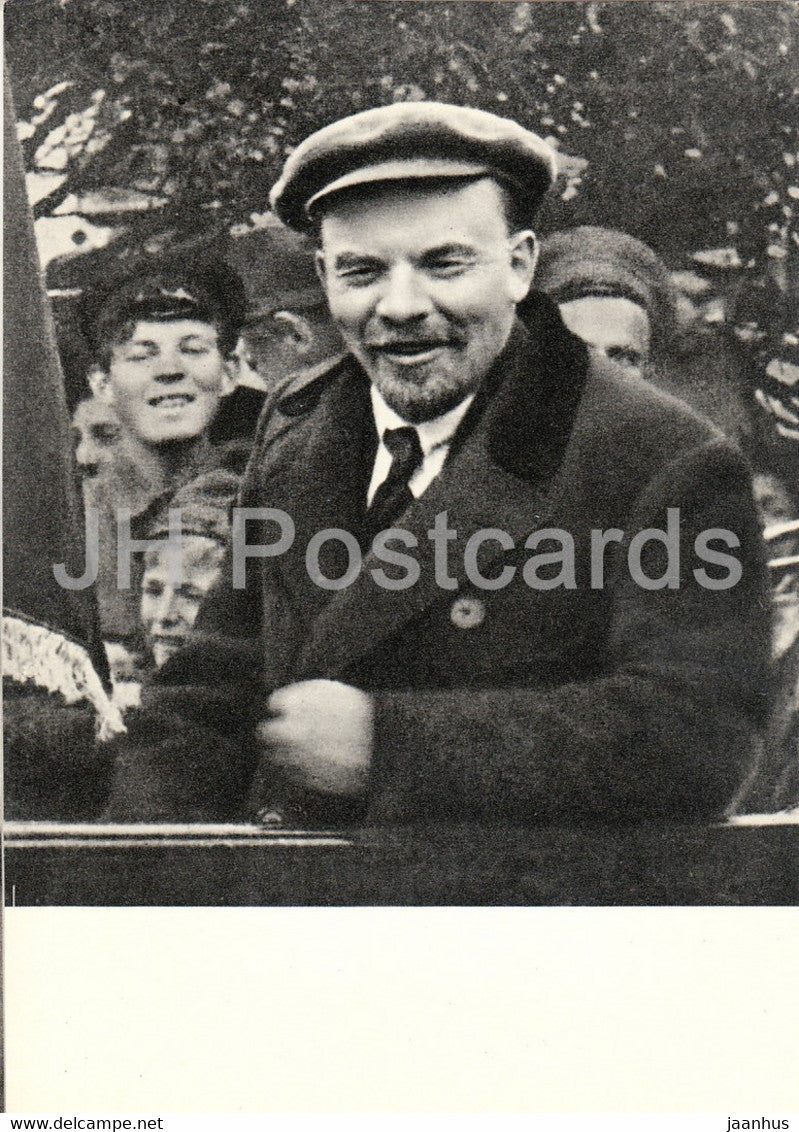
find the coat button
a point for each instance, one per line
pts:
(271, 817)
(467, 613)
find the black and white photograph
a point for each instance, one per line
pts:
(401, 454)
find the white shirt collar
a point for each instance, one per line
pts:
(432, 434)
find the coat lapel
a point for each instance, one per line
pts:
(498, 475)
(323, 481)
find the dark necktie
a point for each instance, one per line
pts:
(394, 495)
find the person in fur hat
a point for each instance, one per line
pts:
(170, 604)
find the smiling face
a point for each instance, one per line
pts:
(616, 327)
(165, 380)
(168, 611)
(423, 282)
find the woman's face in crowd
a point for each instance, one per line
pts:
(616, 327)
(169, 607)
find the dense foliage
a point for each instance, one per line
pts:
(680, 120)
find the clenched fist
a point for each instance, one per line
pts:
(321, 736)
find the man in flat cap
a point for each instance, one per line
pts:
(562, 622)
(288, 324)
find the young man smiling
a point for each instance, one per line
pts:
(497, 703)
(162, 336)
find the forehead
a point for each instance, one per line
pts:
(198, 553)
(92, 411)
(604, 320)
(169, 332)
(414, 215)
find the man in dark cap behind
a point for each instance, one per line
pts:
(450, 669)
(162, 336)
(288, 325)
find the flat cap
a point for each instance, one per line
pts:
(409, 141)
(277, 266)
(164, 288)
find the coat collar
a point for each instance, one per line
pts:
(125, 482)
(501, 464)
(534, 401)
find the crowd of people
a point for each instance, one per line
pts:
(397, 345)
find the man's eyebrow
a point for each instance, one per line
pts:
(354, 259)
(448, 250)
(148, 342)
(358, 259)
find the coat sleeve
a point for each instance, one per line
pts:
(666, 730)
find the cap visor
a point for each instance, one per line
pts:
(405, 170)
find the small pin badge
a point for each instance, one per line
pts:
(467, 613)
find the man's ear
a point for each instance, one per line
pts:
(230, 374)
(523, 259)
(297, 329)
(319, 264)
(100, 385)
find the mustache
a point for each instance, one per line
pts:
(408, 340)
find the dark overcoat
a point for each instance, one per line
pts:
(520, 703)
